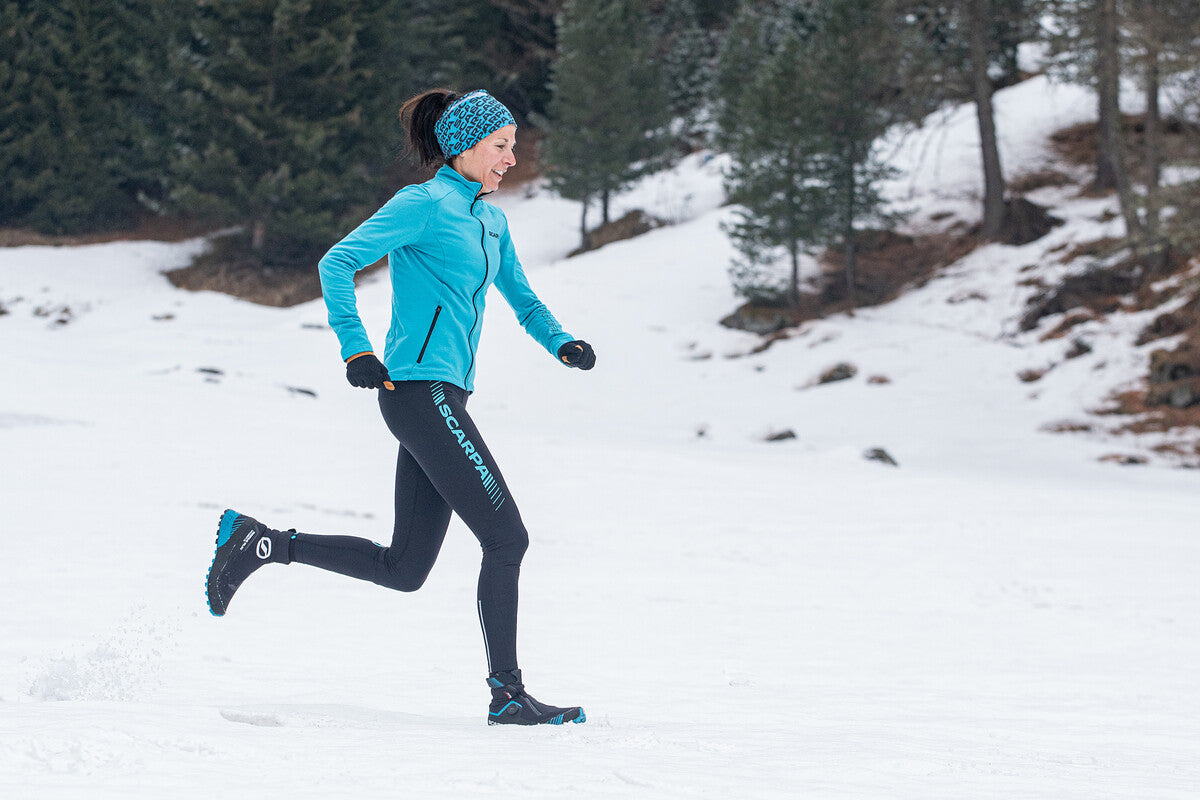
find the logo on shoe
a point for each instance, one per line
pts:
(263, 550)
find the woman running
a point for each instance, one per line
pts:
(445, 246)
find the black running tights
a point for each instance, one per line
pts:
(443, 466)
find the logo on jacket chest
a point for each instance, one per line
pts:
(493, 234)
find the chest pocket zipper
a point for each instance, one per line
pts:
(437, 311)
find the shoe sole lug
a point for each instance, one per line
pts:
(580, 719)
(224, 533)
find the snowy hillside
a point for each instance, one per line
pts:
(1002, 615)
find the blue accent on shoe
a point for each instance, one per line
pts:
(495, 684)
(581, 718)
(224, 532)
(556, 721)
(506, 705)
(227, 525)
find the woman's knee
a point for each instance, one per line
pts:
(399, 576)
(510, 547)
(521, 544)
(401, 583)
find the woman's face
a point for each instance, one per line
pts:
(490, 158)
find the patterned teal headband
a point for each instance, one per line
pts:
(468, 120)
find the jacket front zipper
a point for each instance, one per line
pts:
(433, 324)
(486, 268)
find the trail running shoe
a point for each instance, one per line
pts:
(243, 545)
(512, 705)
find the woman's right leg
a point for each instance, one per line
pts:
(422, 517)
(430, 419)
(449, 462)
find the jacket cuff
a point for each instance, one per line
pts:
(558, 341)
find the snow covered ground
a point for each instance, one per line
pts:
(1000, 616)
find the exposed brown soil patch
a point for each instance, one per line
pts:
(1173, 323)
(225, 268)
(1025, 222)
(1031, 375)
(772, 322)
(1039, 179)
(1148, 418)
(1079, 144)
(1166, 420)
(886, 264)
(1170, 398)
(1187, 453)
(1124, 459)
(1100, 291)
(1128, 402)
(1097, 248)
(1125, 285)
(1068, 426)
(1175, 375)
(249, 282)
(158, 229)
(635, 223)
(1069, 321)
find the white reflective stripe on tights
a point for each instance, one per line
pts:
(486, 649)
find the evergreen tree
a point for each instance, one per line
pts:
(806, 90)
(516, 48)
(608, 111)
(857, 60)
(86, 115)
(992, 30)
(779, 157)
(1112, 166)
(295, 103)
(1099, 42)
(714, 14)
(1161, 37)
(687, 60)
(1014, 22)
(1085, 36)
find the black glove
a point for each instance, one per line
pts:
(577, 354)
(366, 372)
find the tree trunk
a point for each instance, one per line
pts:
(848, 230)
(851, 263)
(981, 85)
(1153, 126)
(794, 283)
(1111, 145)
(794, 238)
(585, 241)
(604, 207)
(1107, 87)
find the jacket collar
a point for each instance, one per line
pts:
(452, 177)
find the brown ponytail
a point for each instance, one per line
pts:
(419, 115)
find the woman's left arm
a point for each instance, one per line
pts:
(532, 313)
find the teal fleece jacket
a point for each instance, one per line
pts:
(445, 248)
